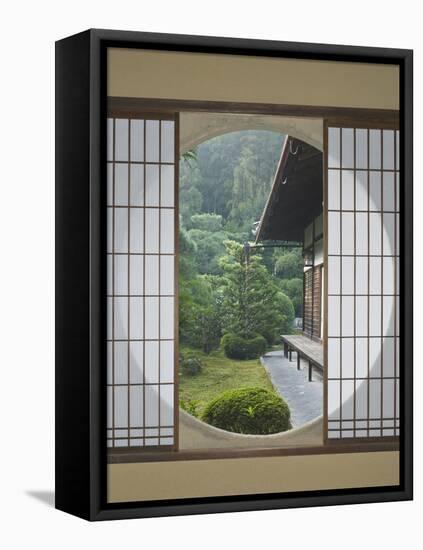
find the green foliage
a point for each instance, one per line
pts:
(200, 323)
(289, 265)
(206, 222)
(248, 411)
(190, 406)
(236, 347)
(224, 185)
(287, 313)
(212, 175)
(209, 247)
(252, 302)
(219, 374)
(293, 288)
(190, 157)
(189, 364)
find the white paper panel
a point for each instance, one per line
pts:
(375, 355)
(348, 185)
(347, 315)
(388, 149)
(361, 357)
(334, 147)
(136, 350)
(167, 232)
(137, 140)
(167, 268)
(334, 399)
(334, 235)
(151, 274)
(136, 411)
(121, 274)
(334, 189)
(361, 315)
(347, 155)
(121, 230)
(121, 406)
(152, 185)
(152, 141)
(167, 361)
(121, 139)
(333, 316)
(137, 185)
(375, 275)
(361, 233)
(136, 278)
(109, 184)
(167, 318)
(375, 149)
(389, 191)
(361, 399)
(348, 275)
(347, 347)
(361, 275)
(121, 184)
(167, 194)
(152, 362)
(347, 233)
(334, 357)
(120, 362)
(166, 404)
(151, 318)
(136, 318)
(120, 318)
(152, 230)
(334, 275)
(167, 141)
(361, 152)
(152, 405)
(361, 190)
(109, 139)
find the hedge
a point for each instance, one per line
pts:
(236, 347)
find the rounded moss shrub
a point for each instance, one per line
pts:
(236, 347)
(248, 411)
(190, 365)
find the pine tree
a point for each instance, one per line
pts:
(252, 303)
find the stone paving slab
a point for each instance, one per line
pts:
(305, 399)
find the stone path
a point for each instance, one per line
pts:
(305, 399)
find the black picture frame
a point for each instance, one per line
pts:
(80, 273)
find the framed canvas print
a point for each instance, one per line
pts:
(234, 274)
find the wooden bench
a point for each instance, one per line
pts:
(305, 347)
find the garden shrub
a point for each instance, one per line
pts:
(189, 364)
(191, 406)
(248, 411)
(236, 347)
(257, 346)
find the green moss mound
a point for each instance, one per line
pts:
(190, 364)
(248, 411)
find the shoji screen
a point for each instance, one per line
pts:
(142, 213)
(363, 281)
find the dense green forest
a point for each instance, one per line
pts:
(226, 287)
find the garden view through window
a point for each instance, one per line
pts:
(245, 283)
(227, 327)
